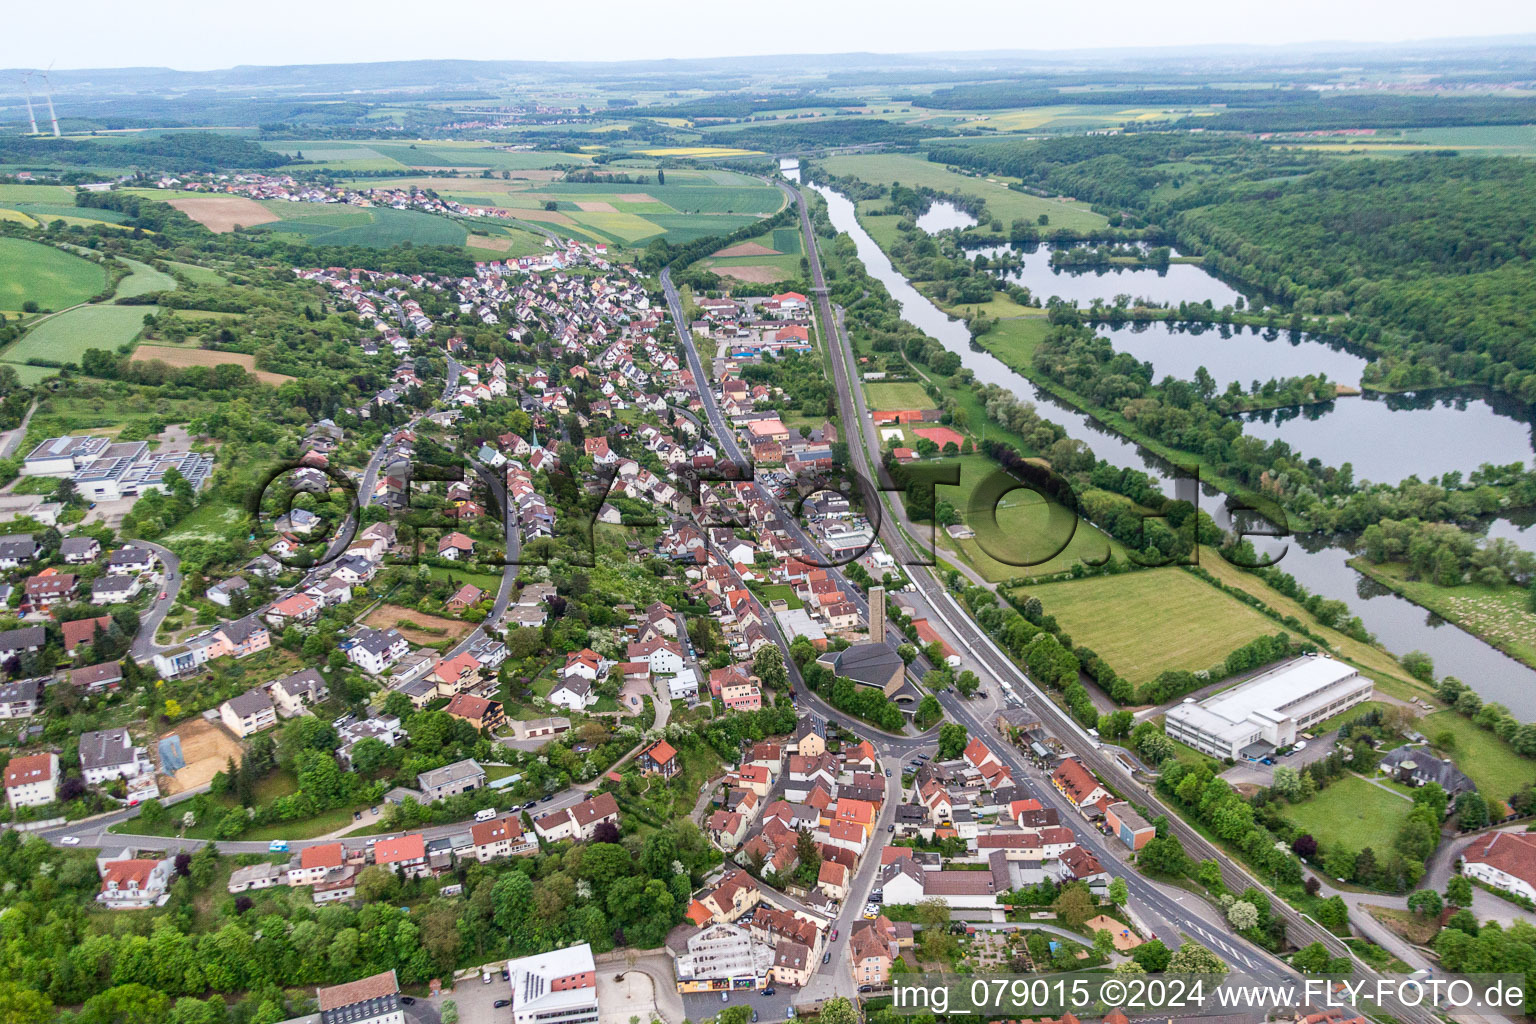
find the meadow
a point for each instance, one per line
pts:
(1144, 623)
(50, 277)
(1002, 202)
(908, 395)
(64, 338)
(1354, 812)
(420, 154)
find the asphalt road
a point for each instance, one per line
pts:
(964, 635)
(144, 646)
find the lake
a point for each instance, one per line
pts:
(1170, 285)
(1233, 353)
(1318, 563)
(943, 215)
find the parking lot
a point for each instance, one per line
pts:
(1255, 774)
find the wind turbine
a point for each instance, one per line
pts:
(48, 92)
(26, 81)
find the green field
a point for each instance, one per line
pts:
(1490, 762)
(60, 195)
(1353, 812)
(1027, 529)
(909, 395)
(196, 274)
(404, 155)
(1144, 623)
(65, 337)
(1001, 201)
(378, 227)
(48, 212)
(52, 278)
(142, 281)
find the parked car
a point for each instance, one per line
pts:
(725, 997)
(278, 846)
(826, 958)
(408, 1000)
(754, 1015)
(834, 935)
(70, 840)
(502, 1002)
(866, 988)
(887, 773)
(769, 991)
(547, 799)
(161, 597)
(890, 828)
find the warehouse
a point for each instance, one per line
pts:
(1268, 710)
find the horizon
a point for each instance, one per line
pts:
(182, 37)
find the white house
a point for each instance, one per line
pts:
(374, 650)
(1503, 860)
(32, 780)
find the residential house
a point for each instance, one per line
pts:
(405, 856)
(20, 699)
(578, 822)
(250, 712)
(479, 712)
(450, 780)
(374, 650)
(501, 837)
(134, 883)
(293, 693)
(110, 754)
(32, 780)
(372, 1000)
(659, 759)
(1504, 860)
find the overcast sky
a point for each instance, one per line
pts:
(198, 35)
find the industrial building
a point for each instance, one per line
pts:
(1269, 710)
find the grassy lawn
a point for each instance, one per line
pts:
(1026, 529)
(1347, 715)
(908, 395)
(778, 591)
(1354, 812)
(1146, 622)
(1001, 202)
(485, 581)
(1015, 341)
(211, 521)
(52, 278)
(1490, 762)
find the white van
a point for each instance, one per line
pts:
(485, 815)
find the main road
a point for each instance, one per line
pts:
(965, 635)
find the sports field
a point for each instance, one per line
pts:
(52, 278)
(1147, 622)
(909, 395)
(1002, 202)
(1353, 812)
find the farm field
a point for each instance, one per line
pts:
(419, 154)
(220, 214)
(47, 213)
(1490, 762)
(182, 356)
(50, 277)
(771, 256)
(908, 395)
(1354, 812)
(1002, 202)
(61, 195)
(1143, 623)
(64, 338)
(323, 224)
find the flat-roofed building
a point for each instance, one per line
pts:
(558, 987)
(1269, 710)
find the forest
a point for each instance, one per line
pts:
(183, 152)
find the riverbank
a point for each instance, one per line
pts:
(1499, 616)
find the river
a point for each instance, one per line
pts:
(1318, 563)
